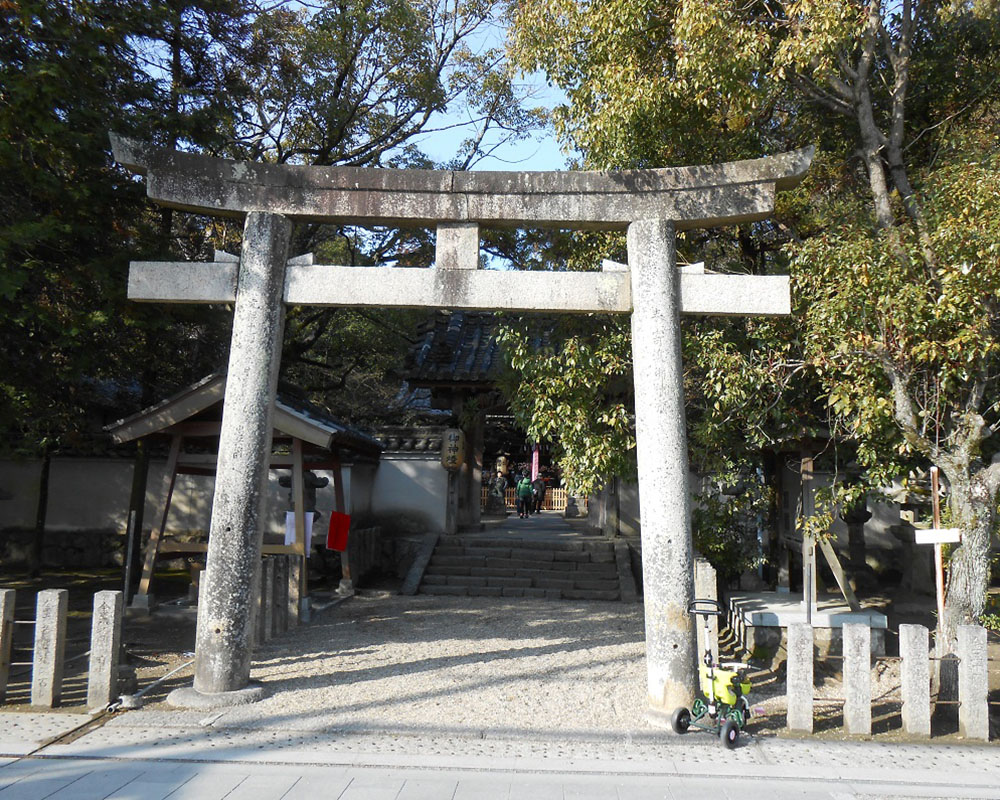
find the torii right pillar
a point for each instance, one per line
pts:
(661, 449)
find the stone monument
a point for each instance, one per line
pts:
(651, 205)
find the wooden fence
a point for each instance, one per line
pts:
(555, 499)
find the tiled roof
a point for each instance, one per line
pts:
(292, 416)
(455, 347)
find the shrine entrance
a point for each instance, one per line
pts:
(650, 204)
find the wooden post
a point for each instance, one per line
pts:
(7, 597)
(346, 581)
(169, 479)
(295, 593)
(938, 555)
(809, 577)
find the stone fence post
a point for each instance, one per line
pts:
(973, 683)
(915, 679)
(50, 647)
(706, 586)
(799, 682)
(857, 679)
(105, 645)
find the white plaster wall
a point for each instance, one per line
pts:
(412, 484)
(90, 493)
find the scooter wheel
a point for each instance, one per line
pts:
(729, 733)
(680, 720)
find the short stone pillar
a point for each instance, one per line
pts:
(973, 683)
(105, 645)
(799, 681)
(706, 586)
(7, 598)
(50, 647)
(572, 510)
(915, 679)
(225, 611)
(857, 679)
(661, 450)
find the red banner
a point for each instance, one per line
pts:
(340, 524)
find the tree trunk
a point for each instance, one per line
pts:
(971, 503)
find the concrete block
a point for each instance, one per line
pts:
(105, 645)
(857, 679)
(50, 647)
(520, 583)
(460, 591)
(531, 554)
(800, 677)
(626, 579)
(485, 591)
(457, 561)
(597, 586)
(569, 555)
(457, 245)
(603, 570)
(492, 572)
(591, 594)
(419, 565)
(463, 580)
(915, 679)
(973, 683)
(7, 598)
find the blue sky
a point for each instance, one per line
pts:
(540, 152)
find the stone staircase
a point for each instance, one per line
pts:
(581, 569)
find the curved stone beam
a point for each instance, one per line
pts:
(693, 197)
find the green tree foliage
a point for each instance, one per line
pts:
(312, 83)
(891, 241)
(68, 220)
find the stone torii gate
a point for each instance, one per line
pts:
(650, 204)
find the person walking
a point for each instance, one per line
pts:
(524, 497)
(538, 494)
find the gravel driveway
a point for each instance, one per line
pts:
(433, 665)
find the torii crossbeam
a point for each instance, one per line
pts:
(650, 204)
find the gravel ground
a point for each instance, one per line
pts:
(457, 665)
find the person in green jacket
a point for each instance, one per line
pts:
(524, 497)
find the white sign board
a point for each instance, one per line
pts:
(937, 535)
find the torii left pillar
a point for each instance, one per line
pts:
(230, 583)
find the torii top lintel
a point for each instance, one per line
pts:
(692, 197)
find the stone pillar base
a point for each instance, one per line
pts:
(189, 697)
(659, 718)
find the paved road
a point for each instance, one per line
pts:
(152, 755)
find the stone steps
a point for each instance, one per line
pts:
(553, 570)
